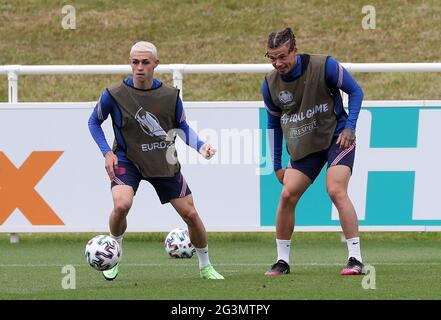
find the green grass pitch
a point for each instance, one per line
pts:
(407, 266)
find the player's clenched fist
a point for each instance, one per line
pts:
(207, 151)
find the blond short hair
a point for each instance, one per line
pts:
(144, 46)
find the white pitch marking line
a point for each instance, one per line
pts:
(222, 264)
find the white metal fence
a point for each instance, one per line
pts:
(178, 70)
(15, 109)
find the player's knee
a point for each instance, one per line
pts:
(189, 215)
(336, 193)
(289, 197)
(122, 207)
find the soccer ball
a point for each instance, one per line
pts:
(177, 244)
(102, 252)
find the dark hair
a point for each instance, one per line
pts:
(280, 38)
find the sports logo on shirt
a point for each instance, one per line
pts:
(286, 98)
(149, 124)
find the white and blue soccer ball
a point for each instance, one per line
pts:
(102, 252)
(178, 245)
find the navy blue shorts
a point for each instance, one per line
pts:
(167, 188)
(312, 164)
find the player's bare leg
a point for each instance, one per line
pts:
(337, 180)
(122, 202)
(295, 184)
(198, 235)
(185, 207)
(122, 196)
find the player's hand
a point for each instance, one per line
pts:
(280, 174)
(346, 138)
(207, 151)
(111, 164)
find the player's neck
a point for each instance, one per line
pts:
(143, 85)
